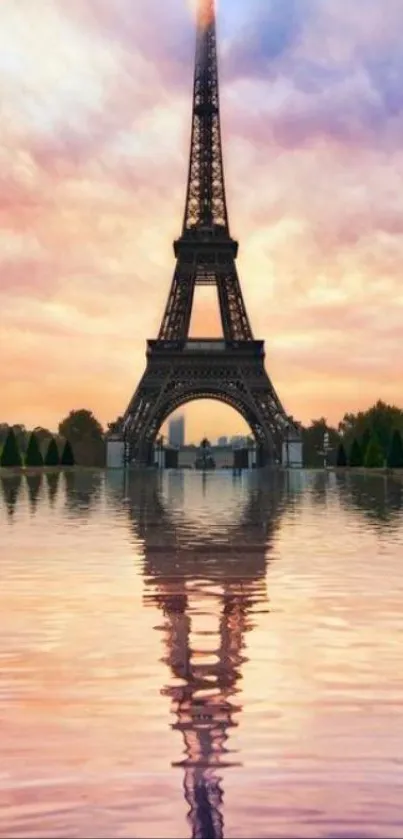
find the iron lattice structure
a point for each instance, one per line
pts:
(179, 369)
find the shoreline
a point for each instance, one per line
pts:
(46, 470)
(362, 470)
(9, 471)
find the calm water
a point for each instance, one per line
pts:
(201, 656)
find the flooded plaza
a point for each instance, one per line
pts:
(201, 655)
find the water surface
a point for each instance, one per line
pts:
(201, 656)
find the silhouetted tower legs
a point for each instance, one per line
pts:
(231, 369)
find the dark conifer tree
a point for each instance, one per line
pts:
(355, 458)
(10, 455)
(52, 454)
(365, 441)
(33, 456)
(341, 459)
(395, 454)
(374, 458)
(67, 458)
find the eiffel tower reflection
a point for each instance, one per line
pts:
(199, 572)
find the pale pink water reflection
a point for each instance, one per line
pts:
(188, 655)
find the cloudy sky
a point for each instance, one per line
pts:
(94, 133)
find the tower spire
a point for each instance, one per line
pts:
(231, 369)
(205, 200)
(205, 251)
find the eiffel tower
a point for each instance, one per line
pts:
(231, 369)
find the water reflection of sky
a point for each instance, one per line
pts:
(201, 657)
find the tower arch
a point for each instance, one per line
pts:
(231, 369)
(235, 401)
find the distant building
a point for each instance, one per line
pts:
(222, 441)
(176, 432)
(238, 441)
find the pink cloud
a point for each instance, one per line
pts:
(92, 183)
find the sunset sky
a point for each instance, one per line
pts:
(95, 123)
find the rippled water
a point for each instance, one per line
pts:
(206, 656)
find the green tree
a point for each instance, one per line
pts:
(365, 441)
(4, 429)
(21, 436)
(79, 425)
(86, 437)
(52, 454)
(33, 456)
(341, 458)
(67, 458)
(355, 458)
(395, 454)
(374, 458)
(10, 455)
(380, 421)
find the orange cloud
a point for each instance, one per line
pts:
(93, 162)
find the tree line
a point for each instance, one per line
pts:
(372, 438)
(78, 441)
(11, 455)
